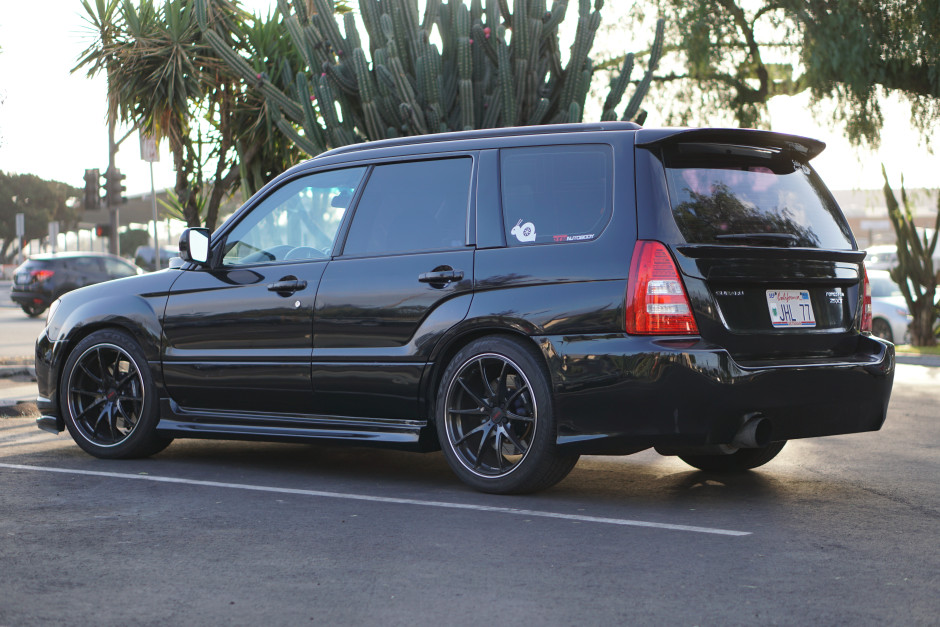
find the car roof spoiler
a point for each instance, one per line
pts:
(802, 147)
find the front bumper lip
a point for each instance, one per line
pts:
(49, 357)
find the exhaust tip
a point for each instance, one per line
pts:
(755, 433)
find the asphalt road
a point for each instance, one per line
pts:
(835, 531)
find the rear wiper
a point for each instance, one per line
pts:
(777, 239)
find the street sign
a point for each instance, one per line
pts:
(149, 149)
(20, 224)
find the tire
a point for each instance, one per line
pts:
(108, 398)
(743, 459)
(33, 311)
(495, 420)
(881, 328)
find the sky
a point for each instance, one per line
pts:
(53, 123)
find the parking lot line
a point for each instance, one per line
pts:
(385, 499)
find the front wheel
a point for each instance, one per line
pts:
(743, 459)
(108, 398)
(495, 419)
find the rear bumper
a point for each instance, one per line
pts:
(21, 297)
(620, 394)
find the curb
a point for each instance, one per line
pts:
(17, 366)
(17, 371)
(915, 359)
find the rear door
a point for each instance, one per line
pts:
(769, 261)
(403, 279)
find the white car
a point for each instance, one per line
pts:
(890, 315)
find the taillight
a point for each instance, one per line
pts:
(657, 303)
(866, 302)
(41, 275)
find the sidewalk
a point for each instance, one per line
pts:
(18, 389)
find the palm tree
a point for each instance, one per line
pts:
(163, 80)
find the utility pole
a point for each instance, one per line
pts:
(114, 246)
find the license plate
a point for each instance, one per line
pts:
(21, 278)
(790, 308)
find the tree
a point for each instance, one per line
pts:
(915, 273)
(163, 80)
(495, 67)
(40, 201)
(732, 56)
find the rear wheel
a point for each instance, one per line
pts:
(743, 459)
(495, 420)
(108, 398)
(881, 328)
(33, 311)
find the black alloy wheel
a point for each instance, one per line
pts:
(108, 398)
(495, 419)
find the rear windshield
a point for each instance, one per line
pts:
(722, 194)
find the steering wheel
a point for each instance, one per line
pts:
(304, 252)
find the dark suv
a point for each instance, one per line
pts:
(516, 297)
(43, 278)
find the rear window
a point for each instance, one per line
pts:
(556, 194)
(723, 194)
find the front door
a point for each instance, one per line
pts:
(238, 333)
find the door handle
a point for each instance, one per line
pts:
(441, 276)
(286, 287)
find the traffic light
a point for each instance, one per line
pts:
(102, 230)
(114, 189)
(92, 193)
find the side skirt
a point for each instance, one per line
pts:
(179, 422)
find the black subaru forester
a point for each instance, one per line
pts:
(515, 297)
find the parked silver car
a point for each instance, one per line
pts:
(890, 315)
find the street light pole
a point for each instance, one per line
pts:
(114, 246)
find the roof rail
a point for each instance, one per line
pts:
(489, 133)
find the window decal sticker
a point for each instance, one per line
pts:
(524, 232)
(572, 238)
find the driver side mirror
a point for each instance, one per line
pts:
(194, 245)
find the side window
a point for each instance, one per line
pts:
(298, 221)
(420, 205)
(118, 269)
(87, 266)
(554, 194)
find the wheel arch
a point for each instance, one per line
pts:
(136, 318)
(454, 343)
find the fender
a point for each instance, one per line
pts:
(141, 301)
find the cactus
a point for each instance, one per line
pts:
(496, 66)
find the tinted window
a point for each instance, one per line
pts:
(296, 222)
(118, 268)
(555, 193)
(421, 205)
(739, 195)
(87, 265)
